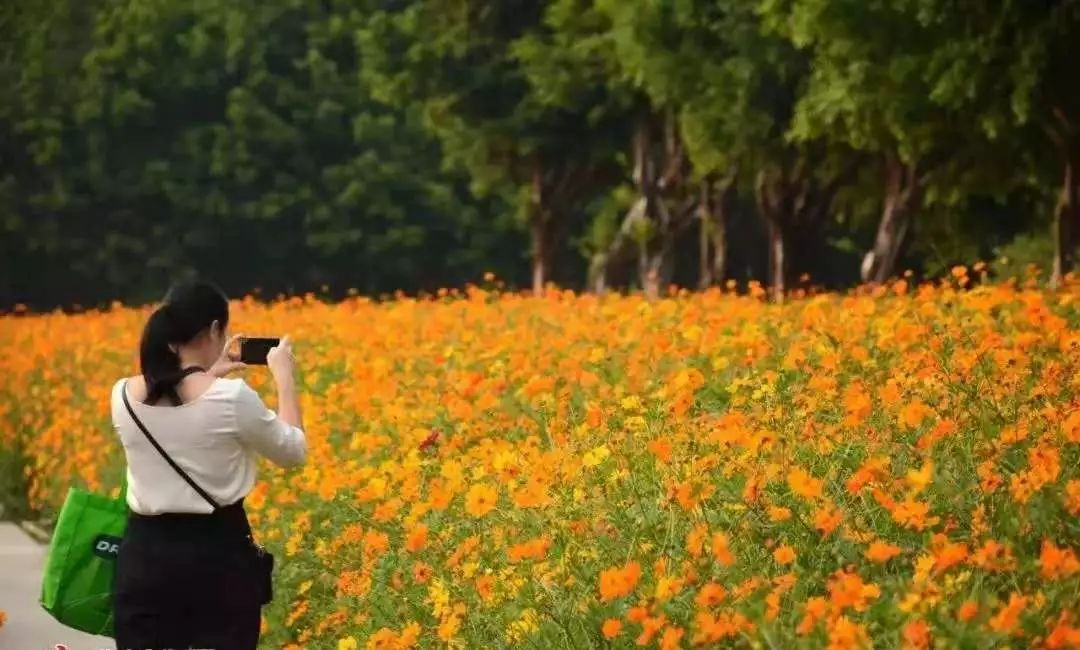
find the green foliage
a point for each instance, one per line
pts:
(14, 484)
(1025, 257)
(236, 138)
(409, 145)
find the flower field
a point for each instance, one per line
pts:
(889, 469)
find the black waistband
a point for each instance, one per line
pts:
(230, 520)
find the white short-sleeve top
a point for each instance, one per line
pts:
(215, 439)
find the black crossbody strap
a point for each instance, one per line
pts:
(170, 461)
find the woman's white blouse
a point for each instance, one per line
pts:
(214, 438)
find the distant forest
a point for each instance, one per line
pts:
(385, 145)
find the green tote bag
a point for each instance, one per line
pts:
(78, 583)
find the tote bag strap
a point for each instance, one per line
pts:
(168, 459)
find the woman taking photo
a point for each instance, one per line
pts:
(188, 573)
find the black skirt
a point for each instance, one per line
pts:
(187, 581)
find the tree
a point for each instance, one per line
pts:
(1011, 68)
(41, 47)
(237, 139)
(470, 67)
(733, 84)
(868, 90)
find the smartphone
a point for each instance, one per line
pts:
(253, 350)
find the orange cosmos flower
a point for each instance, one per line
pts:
(1008, 617)
(533, 494)
(784, 554)
(480, 500)
(375, 543)
(383, 638)
(778, 514)
(649, 627)
(910, 513)
(814, 610)
(1057, 563)
(857, 405)
(989, 477)
(410, 636)
(534, 549)
(772, 605)
(920, 478)
(695, 540)
(611, 628)
(667, 587)
(913, 413)
(661, 448)
(421, 573)
(916, 635)
(710, 595)
(637, 614)
(1072, 497)
(672, 637)
(1071, 426)
(416, 538)
(619, 582)
(993, 556)
(948, 554)
(721, 553)
(890, 393)
(967, 611)
(849, 590)
(1045, 464)
(689, 494)
(875, 468)
(827, 519)
(485, 587)
(845, 634)
(440, 495)
(711, 629)
(745, 588)
(881, 552)
(1063, 635)
(803, 484)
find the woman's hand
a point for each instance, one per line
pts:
(283, 368)
(229, 361)
(281, 361)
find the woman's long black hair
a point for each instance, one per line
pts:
(188, 309)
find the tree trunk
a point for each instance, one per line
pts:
(777, 259)
(1067, 215)
(772, 195)
(650, 265)
(902, 194)
(540, 231)
(597, 280)
(712, 246)
(603, 260)
(656, 266)
(705, 266)
(719, 243)
(655, 219)
(541, 255)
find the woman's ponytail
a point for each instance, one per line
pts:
(188, 309)
(160, 363)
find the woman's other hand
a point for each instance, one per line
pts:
(229, 361)
(281, 361)
(283, 367)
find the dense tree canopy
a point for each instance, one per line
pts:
(287, 145)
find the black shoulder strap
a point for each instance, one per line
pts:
(170, 461)
(191, 370)
(172, 392)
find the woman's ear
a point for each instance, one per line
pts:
(216, 332)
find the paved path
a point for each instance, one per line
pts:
(29, 627)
